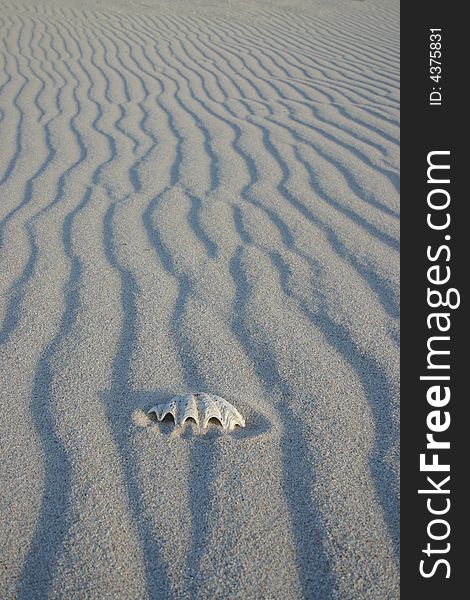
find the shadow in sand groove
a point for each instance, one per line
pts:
(51, 524)
(201, 479)
(119, 405)
(203, 455)
(378, 393)
(315, 570)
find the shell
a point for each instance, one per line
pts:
(200, 407)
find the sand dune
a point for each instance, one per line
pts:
(199, 196)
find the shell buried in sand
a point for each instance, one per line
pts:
(201, 408)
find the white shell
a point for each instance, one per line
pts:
(200, 407)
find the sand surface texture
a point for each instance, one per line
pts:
(199, 196)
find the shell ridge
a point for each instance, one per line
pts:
(162, 410)
(212, 413)
(229, 413)
(190, 410)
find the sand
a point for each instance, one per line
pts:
(199, 196)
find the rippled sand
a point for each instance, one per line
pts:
(199, 196)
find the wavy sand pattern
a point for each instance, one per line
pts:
(199, 196)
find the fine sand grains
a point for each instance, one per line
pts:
(199, 196)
